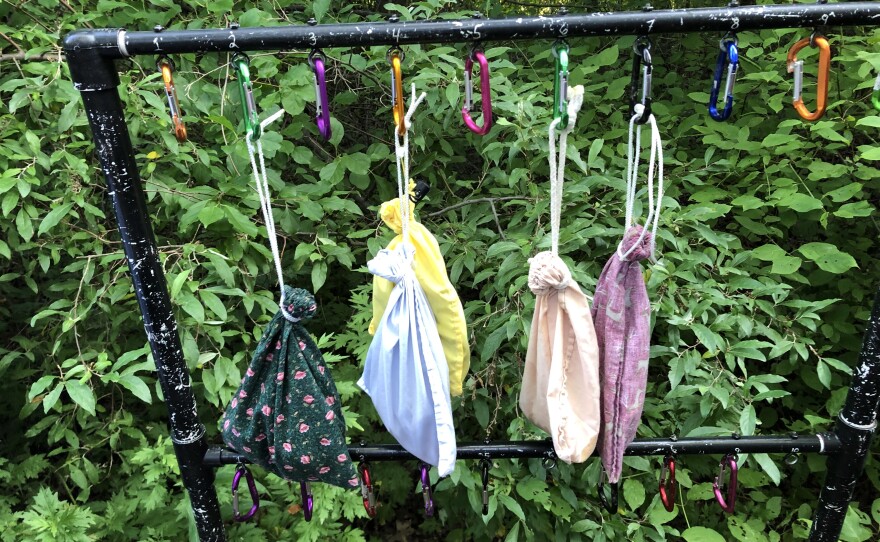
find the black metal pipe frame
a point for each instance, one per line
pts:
(734, 19)
(90, 54)
(823, 443)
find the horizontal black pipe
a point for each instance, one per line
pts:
(736, 19)
(823, 443)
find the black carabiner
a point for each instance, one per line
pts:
(609, 503)
(484, 476)
(642, 69)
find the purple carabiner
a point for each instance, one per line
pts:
(322, 104)
(427, 494)
(486, 98)
(308, 502)
(727, 504)
(252, 487)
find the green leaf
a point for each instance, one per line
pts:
(81, 395)
(824, 373)
(512, 505)
(213, 303)
(871, 121)
(747, 420)
(701, 534)
(845, 193)
(320, 7)
(872, 153)
(319, 275)
(856, 209)
(768, 466)
(40, 385)
(768, 253)
(492, 343)
(52, 397)
(135, 385)
(633, 493)
(211, 213)
(53, 217)
(801, 203)
(828, 257)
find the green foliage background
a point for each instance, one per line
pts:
(768, 261)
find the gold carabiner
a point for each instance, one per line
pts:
(166, 67)
(796, 67)
(395, 57)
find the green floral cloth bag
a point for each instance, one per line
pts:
(286, 415)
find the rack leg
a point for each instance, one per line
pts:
(855, 428)
(96, 78)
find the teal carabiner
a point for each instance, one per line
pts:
(248, 104)
(560, 83)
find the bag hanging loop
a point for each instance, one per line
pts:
(242, 470)
(485, 93)
(322, 104)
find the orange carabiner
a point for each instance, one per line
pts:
(796, 67)
(395, 57)
(166, 68)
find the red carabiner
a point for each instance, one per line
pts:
(367, 489)
(727, 504)
(667, 483)
(486, 94)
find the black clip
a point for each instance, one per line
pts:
(642, 70)
(421, 190)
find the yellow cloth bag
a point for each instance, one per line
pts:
(430, 271)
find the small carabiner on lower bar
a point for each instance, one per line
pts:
(308, 501)
(729, 57)
(485, 464)
(240, 471)
(560, 83)
(166, 68)
(643, 68)
(486, 94)
(395, 57)
(729, 502)
(609, 502)
(367, 493)
(667, 483)
(796, 67)
(322, 104)
(875, 96)
(427, 493)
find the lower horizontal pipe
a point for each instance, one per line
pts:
(823, 443)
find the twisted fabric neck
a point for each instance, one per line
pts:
(261, 180)
(401, 152)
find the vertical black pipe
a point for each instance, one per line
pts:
(95, 76)
(855, 428)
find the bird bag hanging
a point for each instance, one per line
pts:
(430, 271)
(286, 415)
(405, 373)
(622, 312)
(560, 389)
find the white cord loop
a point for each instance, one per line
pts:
(261, 179)
(632, 174)
(401, 152)
(557, 166)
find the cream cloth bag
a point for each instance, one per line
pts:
(560, 389)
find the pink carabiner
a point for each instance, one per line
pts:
(485, 100)
(729, 503)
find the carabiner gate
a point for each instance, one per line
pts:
(667, 483)
(322, 104)
(427, 494)
(166, 68)
(248, 104)
(796, 67)
(395, 57)
(641, 63)
(240, 471)
(728, 463)
(729, 56)
(560, 84)
(485, 100)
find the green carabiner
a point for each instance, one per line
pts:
(248, 104)
(560, 85)
(875, 97)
